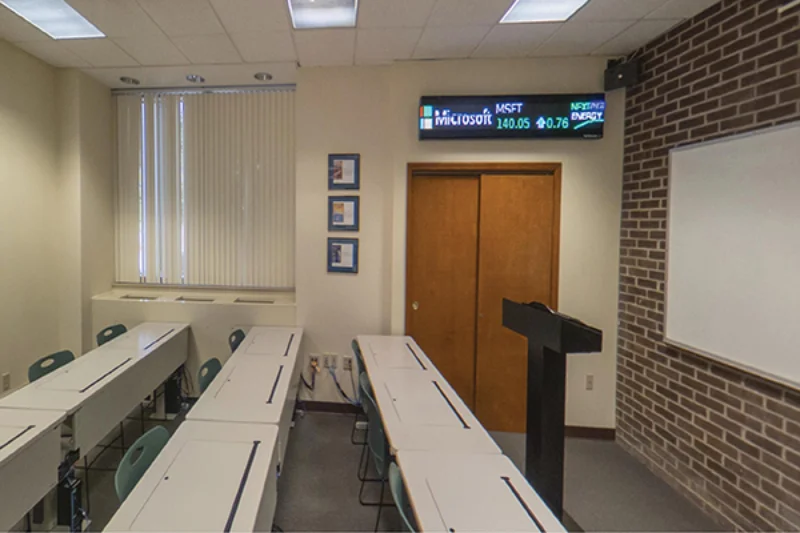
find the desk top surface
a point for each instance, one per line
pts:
(20, 427)
(384, 354)
(247, 389)
(478, 493)
(421, 411)
(271, 342)
(68, 387)
(193, 483)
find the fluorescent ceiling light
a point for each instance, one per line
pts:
(541, 11)
(54, 17)
(308, 14)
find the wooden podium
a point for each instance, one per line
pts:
(551, 336)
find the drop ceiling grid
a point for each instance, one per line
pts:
(167, 39)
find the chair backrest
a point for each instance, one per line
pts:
(138, 459)
(110, 333)
(399, 496)
(359, 357)
(365, 389)
(376, 438)
(208, 372)
(235, 339)
(49, 363)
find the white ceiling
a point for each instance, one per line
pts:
(227, 41)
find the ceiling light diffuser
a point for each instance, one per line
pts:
(307, 14)
(54, 17)
(541, 11)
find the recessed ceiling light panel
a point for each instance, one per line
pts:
(54, 17)
(307, 14)
(541, 11)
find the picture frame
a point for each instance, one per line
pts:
(342, 255)
(343, 213)
(344, 172)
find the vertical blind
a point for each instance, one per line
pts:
(206, 188)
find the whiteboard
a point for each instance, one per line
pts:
(733, 264)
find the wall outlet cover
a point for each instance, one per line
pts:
(6, 381)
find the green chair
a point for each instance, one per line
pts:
(377, 446)
(359, 416)
(400, 497)
(138, 459)
(235, 339)
(48, 364)
(110, 333)
(208, 372)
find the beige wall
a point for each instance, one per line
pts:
(28, 175)
(372, 111)
(56, 223)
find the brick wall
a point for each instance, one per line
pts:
(726, 439)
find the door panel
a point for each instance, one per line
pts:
(441, 275)
(517, 260)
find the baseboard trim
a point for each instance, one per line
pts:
(580, 432)
(329, 407)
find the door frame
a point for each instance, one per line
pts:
(477, 169)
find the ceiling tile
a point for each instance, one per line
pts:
(16, 29)
(581, 38)
(240, 16)
(468, 12)
(386, 44)
(394, 13)
(636, 36)
(216, 75)
(265, 46)
(208, 49)
(514, 40)
(325, 47)
(675, 9)
(449, 42)
(100, 52)
(117, 18)
(183, 17)
(152, 50)
(616, 10)
(54, 53)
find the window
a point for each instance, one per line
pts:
(206, 188)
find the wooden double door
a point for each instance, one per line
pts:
(478, 234)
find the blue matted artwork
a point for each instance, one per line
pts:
(344, 172)
(343, 213)
(343, 255)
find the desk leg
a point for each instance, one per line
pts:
(544, 443)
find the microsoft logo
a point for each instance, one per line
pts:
(426, 117)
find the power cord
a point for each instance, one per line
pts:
(332, 371)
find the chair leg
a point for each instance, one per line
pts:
(141, 416)
(380, 504)
(86, 478)
(122, 439)
(353, 440)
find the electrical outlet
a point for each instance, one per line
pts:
(6, 381)
(347, 363)
(313, 361)
(589, 382)
(330, 360)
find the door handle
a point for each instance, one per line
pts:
(415, 305)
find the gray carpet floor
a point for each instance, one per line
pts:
(605, 488)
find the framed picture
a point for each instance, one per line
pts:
(344, 172)
(343, 255)
(343, 213)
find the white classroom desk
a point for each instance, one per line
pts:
(251, 390)
(384, 353)
(421, 411)
(472, 493)
(30, 452)
(210, 476)
(280, 343)
(98, 390)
